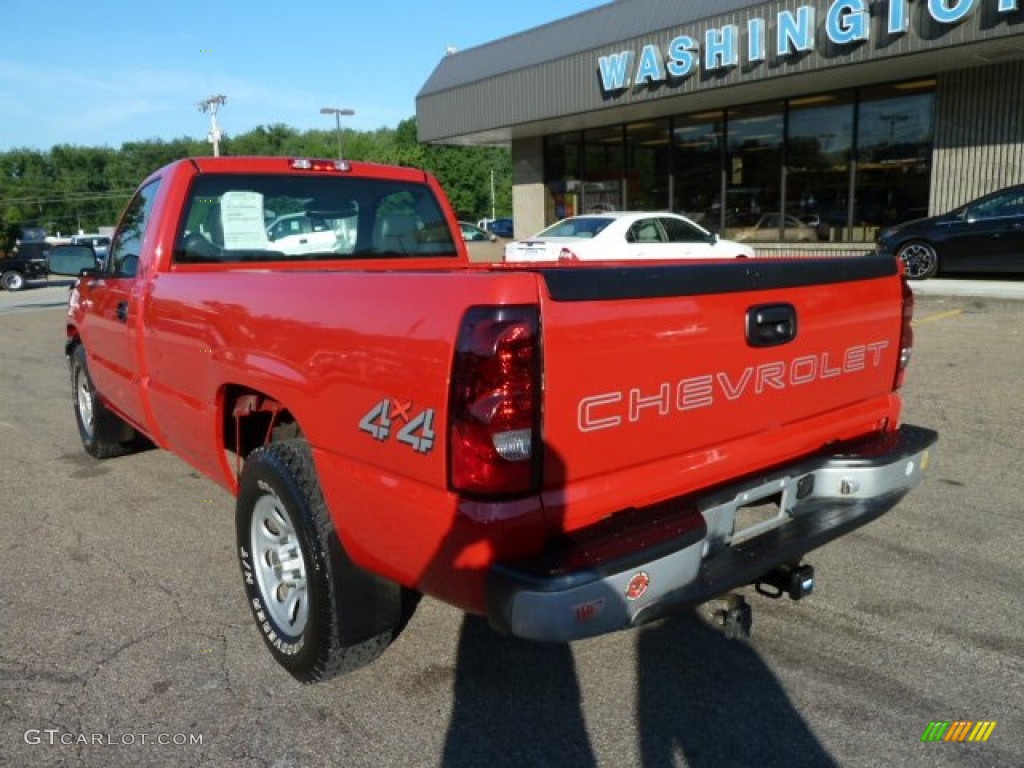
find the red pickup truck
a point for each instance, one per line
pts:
(566, 449)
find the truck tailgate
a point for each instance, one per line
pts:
(663, 380)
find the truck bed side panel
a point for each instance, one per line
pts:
(362, 361)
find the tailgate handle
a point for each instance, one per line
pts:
(769, 325)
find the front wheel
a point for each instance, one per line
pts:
(12, 280)
(320, 615)
(104, 434)
(920, 259)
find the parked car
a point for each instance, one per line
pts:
(816, 222)
(100, 244)
(621, 235)
(985, 235)
(482, 245)
(299, 233)
(16, 271)
(765, 228)
(26, 260)
(502, 228)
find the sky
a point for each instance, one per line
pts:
(105, 72)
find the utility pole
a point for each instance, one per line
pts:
(493, 210)
(337, 121)
(210, 105)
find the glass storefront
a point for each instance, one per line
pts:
(830, 167)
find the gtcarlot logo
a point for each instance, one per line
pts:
(57, 737)
(958, 730)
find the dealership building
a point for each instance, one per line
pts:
(856, 113)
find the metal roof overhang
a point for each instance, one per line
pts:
(564, 94)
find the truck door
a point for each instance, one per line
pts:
(117, 298)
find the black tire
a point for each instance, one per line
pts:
(12, 280)
(104, 434)
(320, 615)
(920, 259)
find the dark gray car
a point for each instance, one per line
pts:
(985, 235)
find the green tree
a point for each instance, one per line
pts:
(71, 187)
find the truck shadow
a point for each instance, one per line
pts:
(714, 701)
(699, 696)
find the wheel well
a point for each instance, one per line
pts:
(251, 419)
(71, 341)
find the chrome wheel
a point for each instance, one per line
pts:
(13, 281)
(84, 401)
(279, 564)
(920, 259)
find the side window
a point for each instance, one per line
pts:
(1015, 206)
(1007, 204)
(645, 231)
(680, 231)
(131, 234)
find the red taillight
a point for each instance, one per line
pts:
(906, 333)
(495, 402)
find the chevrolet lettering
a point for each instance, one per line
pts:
(613, 409)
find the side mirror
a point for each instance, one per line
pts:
(712, 238)
(72, 261)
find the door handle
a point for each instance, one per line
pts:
(769, 325)
(122, 311)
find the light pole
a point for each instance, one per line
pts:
(210, 105)
(337, 121)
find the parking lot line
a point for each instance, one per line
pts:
(940, 316)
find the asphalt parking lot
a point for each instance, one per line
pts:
(126, 639)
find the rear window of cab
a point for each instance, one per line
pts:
(234, 217)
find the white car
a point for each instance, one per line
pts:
(481, 244)
(623, 235)
(300, 233)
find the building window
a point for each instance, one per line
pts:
(648, 150)
(895, 130)
(603, 169)
(563, 160)
(753, 161)
(697, 166)
(819, 140)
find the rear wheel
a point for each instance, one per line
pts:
(920, 259)
(12, 280)
(320, 615)
(104, 434)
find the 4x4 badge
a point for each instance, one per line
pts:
(417, 431)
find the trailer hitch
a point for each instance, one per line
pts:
(795, 581)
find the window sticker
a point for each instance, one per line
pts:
(241, 216)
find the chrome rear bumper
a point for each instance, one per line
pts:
(643, 564)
